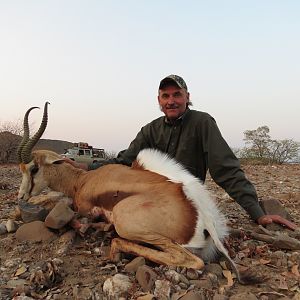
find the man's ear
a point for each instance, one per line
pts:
(158, 100)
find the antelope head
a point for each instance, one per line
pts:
(32, 163)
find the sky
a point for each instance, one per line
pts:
(99, 64)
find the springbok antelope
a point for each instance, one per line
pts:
(156, 201)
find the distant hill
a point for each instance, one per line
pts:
(53, 145)
(9, 144)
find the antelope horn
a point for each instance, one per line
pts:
(25, 135)
(26, 151)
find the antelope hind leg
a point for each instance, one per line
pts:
(171, 254)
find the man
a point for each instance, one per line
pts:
(193, 138)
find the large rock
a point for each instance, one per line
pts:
(134, 264)
(34, 231)
(145, 277)
(274, 207)
(31, 212)
(117, 286)
(59, 216)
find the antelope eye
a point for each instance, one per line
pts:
(34, 170)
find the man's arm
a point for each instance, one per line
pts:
(225, 170)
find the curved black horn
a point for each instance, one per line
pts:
(26, 151)
(25, 137)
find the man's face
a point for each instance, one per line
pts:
(173, 101)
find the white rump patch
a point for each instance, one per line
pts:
(209, 216)
(161, 163)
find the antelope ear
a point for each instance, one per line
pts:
(59, 161)
(53, 159)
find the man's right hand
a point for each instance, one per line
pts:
(268, 219)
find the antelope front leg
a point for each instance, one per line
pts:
(95, 212)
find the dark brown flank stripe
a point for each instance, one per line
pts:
(108, 200)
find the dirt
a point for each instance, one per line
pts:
(81, 272)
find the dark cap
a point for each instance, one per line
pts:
(173, 79)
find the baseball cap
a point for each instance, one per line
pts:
(174, 79)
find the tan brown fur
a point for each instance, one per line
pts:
(145, 206)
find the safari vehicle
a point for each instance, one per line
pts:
(84, 153)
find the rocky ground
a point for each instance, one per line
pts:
(62, 265)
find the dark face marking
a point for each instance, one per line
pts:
(34, 170)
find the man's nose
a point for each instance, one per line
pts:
(171, 100)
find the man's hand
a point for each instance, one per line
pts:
(268, 219)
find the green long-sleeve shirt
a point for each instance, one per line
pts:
(196, 142)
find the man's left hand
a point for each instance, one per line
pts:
(268, 219)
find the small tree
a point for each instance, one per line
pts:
(261, 147)
(259, 141)
(9, 140)
(283, 151)
(110, 154)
